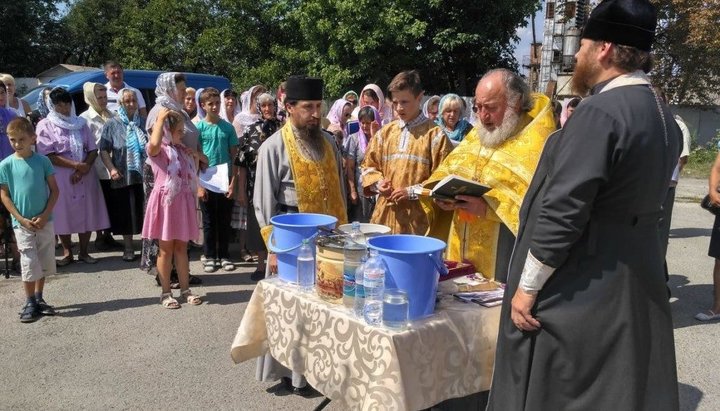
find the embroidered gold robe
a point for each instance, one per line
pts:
(508, 170)
(406, 154)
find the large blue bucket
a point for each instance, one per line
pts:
(288, 232)
(414, 264)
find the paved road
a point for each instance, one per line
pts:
(114, 347)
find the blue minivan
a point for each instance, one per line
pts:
(143, 80)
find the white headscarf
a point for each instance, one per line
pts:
(246, 118)
(223, 112)
(72, 123)
(385, 111)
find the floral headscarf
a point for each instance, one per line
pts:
(135, 138)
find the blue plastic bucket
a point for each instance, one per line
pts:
(414, 264)
(288, 232)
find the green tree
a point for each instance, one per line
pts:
(91, 25)
(686, 47)
(31, 40)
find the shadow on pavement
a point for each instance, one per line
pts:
(223, 278)
(227, 297)
(87, 309)
(688, 300)
(690, 232)
(689, 397)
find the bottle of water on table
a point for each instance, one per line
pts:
(374, 286)
(352, 252)
(360, 288)
(306, 267)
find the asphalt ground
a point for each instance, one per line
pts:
(114, 347)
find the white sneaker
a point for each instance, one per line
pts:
(707, 316)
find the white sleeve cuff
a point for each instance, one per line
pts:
(414, 191)
(535, 274)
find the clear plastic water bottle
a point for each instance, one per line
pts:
(360, 288)
(374, 286)
(353, 251)
(306, 267)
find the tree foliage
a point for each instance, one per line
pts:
(686, 50)
(31, 37)
(347, 43)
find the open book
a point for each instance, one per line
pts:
(453, 185)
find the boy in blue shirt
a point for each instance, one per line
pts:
(29, 192)
(219, 143)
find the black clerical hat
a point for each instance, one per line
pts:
(303, 88)
(625, 22)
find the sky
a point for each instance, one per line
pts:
(522, 48)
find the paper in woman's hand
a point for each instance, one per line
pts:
(215, 178)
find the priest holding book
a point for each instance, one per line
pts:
(501, 152)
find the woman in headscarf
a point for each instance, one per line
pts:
(361, 207)
(169, 93)
(96, 115)
(67, 141)
(246, 161)
(42, 107)
(351, 98)
(229, 107)
(199, 112)
(430, 108)
(122, 151)
(451, 118)
(16, 104)
(371, 95)
(248, 115)
(338, 117)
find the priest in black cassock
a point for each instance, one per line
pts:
(586, 321)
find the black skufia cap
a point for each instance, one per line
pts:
(303, 88)
(626, 22)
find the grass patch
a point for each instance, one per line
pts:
(700, 160)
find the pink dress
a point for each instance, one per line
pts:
(178, 220)
(80, 207)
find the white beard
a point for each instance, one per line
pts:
(492, 139)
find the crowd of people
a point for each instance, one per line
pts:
(565, 205)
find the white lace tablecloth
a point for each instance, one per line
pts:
(447, 355)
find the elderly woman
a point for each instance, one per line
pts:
(96, 115)
(67, 141)
(351, 98)
(6, 115)
(452, 119)
(14, 103)
(360, 207)
(169, 93)
(246, 161)
(122, 150)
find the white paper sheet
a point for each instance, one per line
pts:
(215, 179)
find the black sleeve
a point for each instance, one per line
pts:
(581, 163)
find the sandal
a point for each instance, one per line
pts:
(246, 256)
(209, 266)
(191, 298)
(67, 260)
(30, 313)
(168, 301)
(708, 316)
(227, 265)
